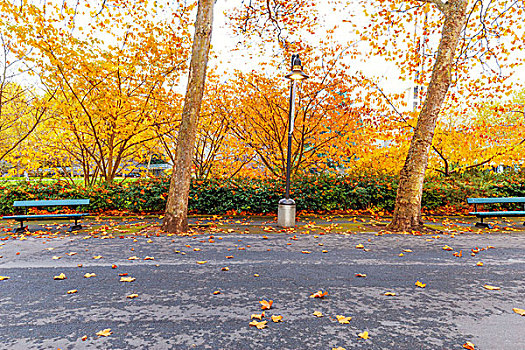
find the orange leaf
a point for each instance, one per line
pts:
(360, 275)
(259, 325)
(342, 319)
(468, 345)
(266, 304)
(105, 333)
(319, 294)
(489, 287)
(277, 318)
(519, 311)
(318, 314)
(421, 285)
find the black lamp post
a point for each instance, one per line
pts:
(286, 211)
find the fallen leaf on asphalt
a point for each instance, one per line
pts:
(277, 318)
(149, 258)
(229, 257)
(89, 275)
(342, 319)
(319, 294)
(489, 287)
(84, 338)
(225, 268)
(133, 258)
(318, 314)
(407, 250)
(197, 249)
(401, 254)
(216, 292)
(132, 296)
(420, 285)
(359, 246)
(60, 277)
(105, 333)
(257, 316)
(127, 279)
(123, 274)
(149, 241)
(259, 325)
(96, 257)
(72, 291)
(363, 335)
(114, 266)
(255, 275)
(266, 304)
(56, 257)
(202, 262)
(519, 311)
(447, 248)
(4, 278)
(360, 275)
(458, 255)
(306, 252)
(79, 265)
(479, 264)
(338, 348)
(324, 251)
(71, 253)
(390, 294)
(468, 345)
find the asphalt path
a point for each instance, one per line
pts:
(176, 307)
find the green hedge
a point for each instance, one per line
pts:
(311, 193)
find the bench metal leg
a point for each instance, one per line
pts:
(20, 229)
(75, 227)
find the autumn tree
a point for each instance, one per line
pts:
(176, 215)
(110, 97)
(458, 40)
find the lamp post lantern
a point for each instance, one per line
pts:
(286, 210)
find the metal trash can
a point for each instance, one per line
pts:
(286, 213)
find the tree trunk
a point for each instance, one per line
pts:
(407, 212)
(176, 216)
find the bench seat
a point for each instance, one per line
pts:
(497, 213)
(43, 216)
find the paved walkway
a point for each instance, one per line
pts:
(177, 306)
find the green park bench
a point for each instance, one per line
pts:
(71, 203)
(501, 200)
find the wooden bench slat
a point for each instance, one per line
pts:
(51, 203)
(496, 200)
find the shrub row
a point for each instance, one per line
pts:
(311, 193)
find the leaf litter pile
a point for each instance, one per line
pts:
(271, 313)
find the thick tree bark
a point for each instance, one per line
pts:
(407, 212)
(176, 216)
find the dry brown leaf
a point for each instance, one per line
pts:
(342, 319)
(60, 277)
(338, 348)
(89, 275)
(132, 296)
(127, 279)
(257, 316)
(277, 318)
(259, 325)
(407, 250)
(225, 268)
(266, 304)
(489, 287)
(56, 257)
(72, 291)
(196, 249)
(202, 262)
(229, 257)
(149, 258)
(420, 285)
(446, 247)
(479, 264)
(4, 278)
(105, 333)
(133, 258)
(306, 252)
(401, 254)
(216, 292)
(84, 338)
(324, 251)
(71, 253)
(96, 257)
(319, 294)
(519, 311)
(359, 246)
(318, 314)
(360, 275)
(363, 335)
(390, 294)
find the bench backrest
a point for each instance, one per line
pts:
(51, 203)
(496, 200)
